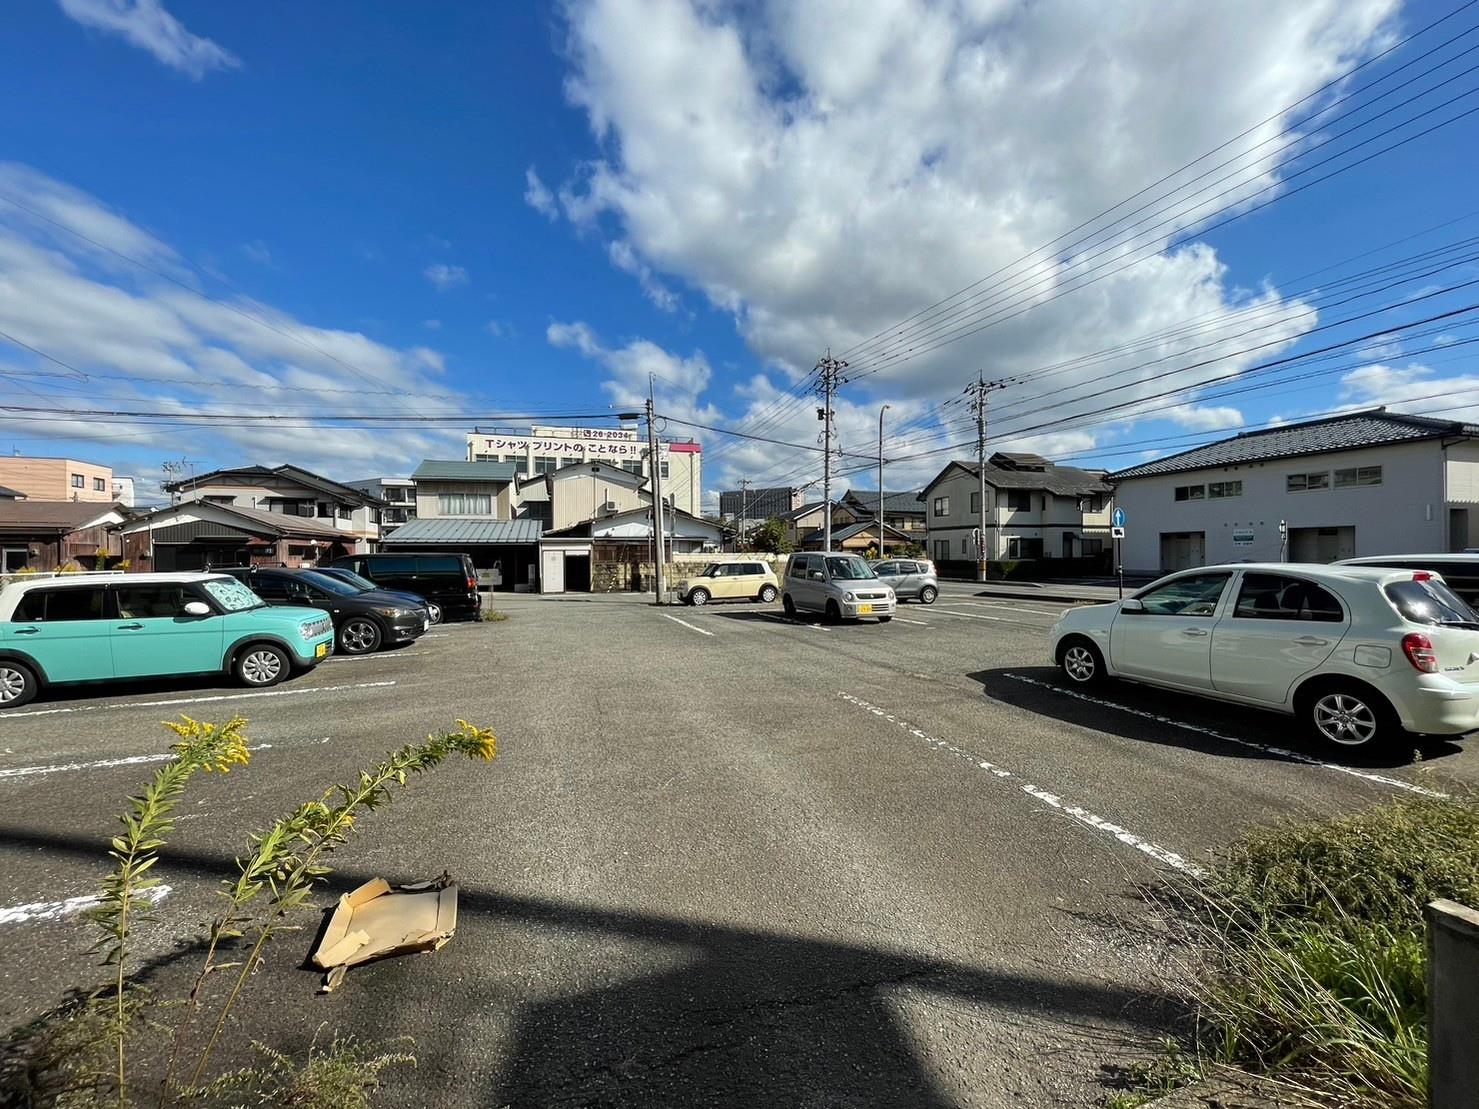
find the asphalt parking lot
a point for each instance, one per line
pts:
(722, 858)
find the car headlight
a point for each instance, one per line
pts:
(395, 613)
(848, 597)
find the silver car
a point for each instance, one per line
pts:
(910, 578)
(836, 584)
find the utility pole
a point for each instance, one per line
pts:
(831, 377)
(881, 411)
(744, 511)
(978, 391)
(654, 468)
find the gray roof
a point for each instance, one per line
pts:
(454, 530)
(1061, 481)
(839, 534)
(256, 520)
(1372, 428)
(288, 472)
(899, 503)
(51, 516)
(440, 469)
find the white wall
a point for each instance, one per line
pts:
(1405, 513)
(1463, 473)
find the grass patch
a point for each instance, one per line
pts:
(492, 616)
(1313, 950)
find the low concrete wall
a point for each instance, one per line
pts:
(1453, 1005)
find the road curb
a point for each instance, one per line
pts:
(1044, 595)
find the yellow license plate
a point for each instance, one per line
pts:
(321, 650)
(865, 610)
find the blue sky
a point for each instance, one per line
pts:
(463, 208)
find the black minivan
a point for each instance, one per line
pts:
(445, 579)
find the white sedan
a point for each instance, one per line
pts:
(1358, 654)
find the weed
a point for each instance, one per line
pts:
(492, 616)
(342, 1076)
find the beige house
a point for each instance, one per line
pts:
(801, 522)
(584, 491)
(452, 488)
(57, 479)
(291, 491)
(1035, 510)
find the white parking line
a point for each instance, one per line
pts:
(100, 764)
(1082, 815)
(916, 623)
(686, 624)
(56, 910)
(994, 619)
(1010, 608)
(793, 623)
(1280, 752)
(196, 700)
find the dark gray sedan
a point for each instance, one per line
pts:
(912, 579)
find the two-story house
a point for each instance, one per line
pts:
(902, 511)
(290, 491)
(1365, 483)
(1035, 510)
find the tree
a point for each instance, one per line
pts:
(771, 537)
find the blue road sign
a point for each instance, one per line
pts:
(1118, 519)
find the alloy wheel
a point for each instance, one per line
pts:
(1345, 719)
(435, 613)
(699, 597)
(359, 636)
(12, 684)
(928, 594)
(1079, 663)
(261, 667)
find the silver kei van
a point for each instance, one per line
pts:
(836, 584)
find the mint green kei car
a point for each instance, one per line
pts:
(105, 627)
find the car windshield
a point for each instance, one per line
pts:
(328, 584)
(848, 568)
(231, 595)
(351, 578)
(1429, 602)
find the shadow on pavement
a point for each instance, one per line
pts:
(1246, 724)
(736, 1017)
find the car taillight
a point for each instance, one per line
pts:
(1419, 651)
(472, 583)
(1422, 575)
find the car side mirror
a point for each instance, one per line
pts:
(1132, 605)
(197, 608)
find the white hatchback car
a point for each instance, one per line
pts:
(1358, 653)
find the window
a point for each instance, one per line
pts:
(663, 469)
(157, 601)
(942, 507)
(521, 464)
(269, 587)
(231, 594)
(1275, 597)
(1190, 492)
(975, 502)
(754, 568)
(631, 467)
(1023, 547)
(1363, 475)
(942, 550)
(1019, 500)
(51, 605)
(1091, 548)
(798, 567)
(487, 458)
(545, 464)
(1195, 595)
(1216, 489)
(99, 485)
(1428, 602)
(965, 546)
(219, 498)
(77, 482)
(465, 504)
(1308, 483)
(1096, 503)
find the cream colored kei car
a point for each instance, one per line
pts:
(1359, 654)
(740, 579)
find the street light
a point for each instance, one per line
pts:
(881, 411)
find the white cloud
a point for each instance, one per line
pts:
(146, 24)
(821, 194)
(257, 251)
(142, 343)
(1207, 417)
(625, 258)
(538, 196)
(1413, 388)
(445, 276)
(677, 382)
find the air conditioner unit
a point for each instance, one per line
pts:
(607, 509)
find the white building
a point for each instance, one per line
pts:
(123, 490)
(399, 495)
(1035, 510)
(1366, 483)
(546, 449)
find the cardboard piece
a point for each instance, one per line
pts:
(377, 921)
